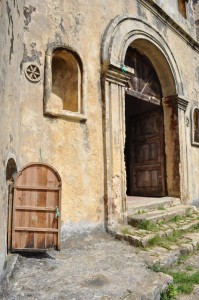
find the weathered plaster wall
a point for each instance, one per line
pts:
(171, 8)
(75, 148)
(11, 40)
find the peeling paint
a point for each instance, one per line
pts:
(10, 31)
(27, 14)
(35, 56)
(62, 25)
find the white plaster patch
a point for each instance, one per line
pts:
(71, 229)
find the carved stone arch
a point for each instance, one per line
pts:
(122, 32)
(80, 113)
(125, 30)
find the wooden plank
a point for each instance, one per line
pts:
(28, 187)
(35, 229)
(150, 99)
(35, 208)
(29, 249)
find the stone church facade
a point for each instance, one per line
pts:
(78, 81)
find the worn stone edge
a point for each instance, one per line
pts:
(7, 273)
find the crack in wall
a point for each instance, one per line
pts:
(10, 31)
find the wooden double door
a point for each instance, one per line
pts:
(36, 209)
(146, 154)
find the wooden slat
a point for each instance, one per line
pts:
(32, 208)
(147, 98)
(29, 187)
(35, 229)
(30, 249)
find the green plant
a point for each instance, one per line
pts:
(161, 207)
(189, 213)
(147, 225)
(189, 268)
(166, 242)
(185, 288)
(176, 218)
(157, 267)
(182, 258)
(195, 227)
(140, 211)
(126, 231)
(170, 293)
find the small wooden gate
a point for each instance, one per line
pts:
(36, 209)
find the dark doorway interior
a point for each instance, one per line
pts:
(144, 149)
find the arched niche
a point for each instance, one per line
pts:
(123, 32)
(66, 81)
(65, 84)
(11, 169)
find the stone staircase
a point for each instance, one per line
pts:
(153, 221)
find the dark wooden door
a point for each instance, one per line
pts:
(36, 209)
(147, 163)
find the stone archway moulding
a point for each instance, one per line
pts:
(122, 32)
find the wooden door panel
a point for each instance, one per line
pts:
(146, 152)
(37, 195)
(147, 181)
(147, 166)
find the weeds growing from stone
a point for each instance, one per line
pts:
(166, 242)
(147, 225)
(126, 231)
(176, 219)
(140, 211)
(169, 294)
(161, 207)
(183, 282)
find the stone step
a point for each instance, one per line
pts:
(143, 237)
(161, 214)
(145, 204)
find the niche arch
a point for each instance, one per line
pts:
(147, 40)
(11, 169)
(65, 83)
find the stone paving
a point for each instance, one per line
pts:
(91, 267)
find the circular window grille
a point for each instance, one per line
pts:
(33, 73)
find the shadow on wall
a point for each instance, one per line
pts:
(11, 172)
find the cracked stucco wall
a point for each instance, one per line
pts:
(75, 149)
(11, 40)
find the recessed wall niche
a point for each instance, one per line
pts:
(66, 78)
(64, 84)
(195, 126)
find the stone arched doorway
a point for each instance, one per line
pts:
(116, 75)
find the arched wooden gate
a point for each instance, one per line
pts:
(36, 209)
